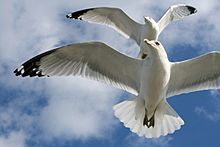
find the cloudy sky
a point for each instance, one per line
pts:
(71, 111)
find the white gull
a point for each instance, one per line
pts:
(152, 79)
(120, 21)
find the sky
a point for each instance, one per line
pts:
(72, 111)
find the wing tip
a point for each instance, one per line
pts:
(28, 70)
(77, 14)
(191, 9)
(19, 70)
(31, 67)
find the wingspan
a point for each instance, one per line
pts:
(112, 17)
(175, 12)
(93, 60)
(201, 73)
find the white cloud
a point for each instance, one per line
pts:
(213, 115)
(79, 108)
(80, 111)
(14, 139)
(134, 141)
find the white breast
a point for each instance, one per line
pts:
(154, 80)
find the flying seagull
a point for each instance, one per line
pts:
(120, 21)
(152, 80)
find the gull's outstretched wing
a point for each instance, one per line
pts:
(173, 13)
(112, 17)
(93, 60)
(201, 73)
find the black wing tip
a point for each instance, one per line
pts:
(26, 70)
(191, 9)
(31, 67)
(77, 14)
(17, 73)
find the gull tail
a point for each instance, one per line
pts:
(132, 113)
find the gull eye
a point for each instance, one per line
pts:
(143, 56)
(157, 43)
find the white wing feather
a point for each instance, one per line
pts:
(92, 60)
(112, 17)
(201, 73)
(173, 13)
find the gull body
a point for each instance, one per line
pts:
(120, 21)
(154, 79)
(151, 80)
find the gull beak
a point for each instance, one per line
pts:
(145, 17)
(147, 41)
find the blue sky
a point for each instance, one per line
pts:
(71, 111)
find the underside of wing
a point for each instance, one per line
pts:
(93, 60)
(201, 73)
(112, 17)
(175, 12)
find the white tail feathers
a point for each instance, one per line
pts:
(166, 119)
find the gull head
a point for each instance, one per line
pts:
(155, 48)
(148, 20)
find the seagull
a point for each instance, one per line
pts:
(151, 80)
(121, 22)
